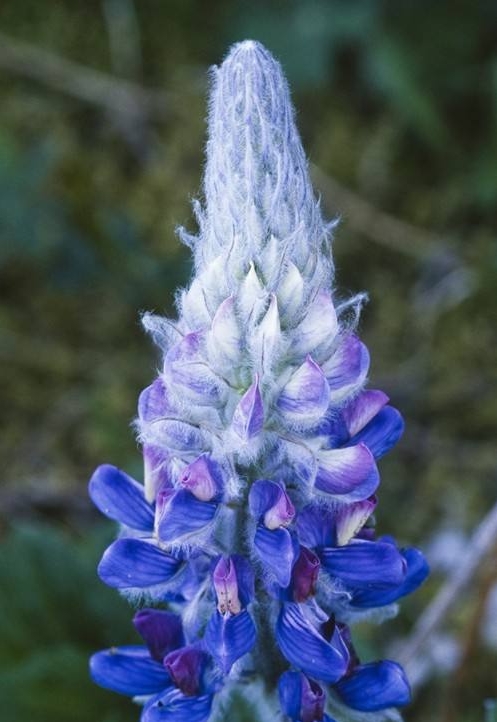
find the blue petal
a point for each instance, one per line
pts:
(130, 563)
(153, 402)
(362, 564)
(184, 514)
(301, 698)
(334, 429)
(304, 399)
(290, 694)
(276, 551)
(348, 366)
(347, 474)
(263, 495)
(179, 435)
(128, 670)
(375, 686)
(185, 367)
(306, 649)
(382, 432)
(362, 409)
(121, 498)
(417, 571)
(316, 526)
(174, 706)
(248, 417)
(229, 637)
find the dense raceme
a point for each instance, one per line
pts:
(250, 548)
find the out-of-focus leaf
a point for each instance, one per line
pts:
(53, 613)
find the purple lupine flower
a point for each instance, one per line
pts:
(252, 540)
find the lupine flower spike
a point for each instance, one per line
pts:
(250, 548)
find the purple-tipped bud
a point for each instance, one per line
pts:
(318, 328)
(199, 478)
(160, 421)
(185, 667)
(154, 402)
(185, 366)
(305, 398)
(347, 368)
(281, 513)
(226, 586)
(362, 409)
(248, 418)
(305, 574)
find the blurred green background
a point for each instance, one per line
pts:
(101, 151)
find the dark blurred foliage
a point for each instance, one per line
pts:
(397, 104)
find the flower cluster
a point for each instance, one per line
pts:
(250, 548)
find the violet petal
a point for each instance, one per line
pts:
(162, 631)
(362, 409)
(301, 699)
(174, 706)
(185, 367)
(263, 495)
(185, 667)
(121, 498)
(306, 396)
(417, 571)
(364, 564)
(382, 432)
(183, 515)
(130, 563)
(202, 478)
(128, 670)
(375, 686)
(276, 552)
(348, 367)
(248, 418)
(348, 474)
(306, 649)
(224, 578)
(316, 526)
(305, 574)
(228, 637)
(154, 402)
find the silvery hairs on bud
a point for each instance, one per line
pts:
(259, 206)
